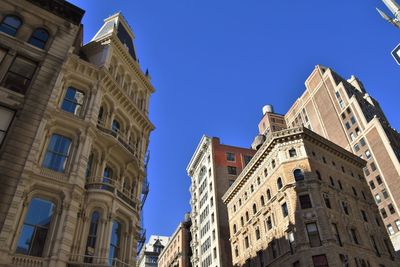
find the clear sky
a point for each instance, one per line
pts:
(215, 63)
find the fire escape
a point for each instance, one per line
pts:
(145, 192)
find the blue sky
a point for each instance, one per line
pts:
(215, 63)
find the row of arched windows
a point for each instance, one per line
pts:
(297, 174)
(12, 23)
(38, 220)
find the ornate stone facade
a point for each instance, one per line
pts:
(76, 150)
(303, 201)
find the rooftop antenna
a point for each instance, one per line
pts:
(394, 9)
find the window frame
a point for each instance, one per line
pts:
(42, 42)
(67, 157)
(80, 113)
(24, 90)
(16, 29)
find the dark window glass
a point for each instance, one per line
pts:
(247, 216)
(327, 201)
(354, 191)
(246, 242)
(268, 194)
(364, 215)
(33, 234)
(262, 201)
(273, 163)
(345, 207)
(298, 175)
(320, 261)
(354, 236)
(247, 159)
(254, 209)
(265, 172)
(378, 179)
(92, 236)
(73, 101)
(385, 193)
(258, 236)
(391, 209)
(10, 25)
(372, 184)
(230, 156)
(39, 38)
(232, 170)
(285, 211)
(347, 125)
(313, 235)
(57, 153)
(292, 153)
(115, 242)
(362, 142)
(279, 183)
(340, 185)
(337, 235)
(269, 223)
(305, 202)
(19, 75)
(331, 180)
(116, 126)
(375, 246)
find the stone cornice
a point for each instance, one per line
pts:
(200, 150)
(281, 137)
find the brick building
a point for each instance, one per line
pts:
(303, 201)
(212, 169)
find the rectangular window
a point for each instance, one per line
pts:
(356, 148)
(285, 211)
(337, 235)
(247, 159)
(372, 184)
(364, 215)
(373, 166)
(397, 222)
(57, 153)
(391, 209)
(378, 179)
(292, 243)
(232, 170)
(383, 212)
(352, 136)
(378, 198)
(345, 208)
(313, 234)
(385, 193)
(269, 223)
(305, 202)
(367, 154)
(6, 117)
(327, 201)
(230, 156)
(362, 142)
(354, 236)
(390, 229)
(353, 120)
(246, 242)
(347, 125)
(19, 75)
(73, 101)
(320, 261)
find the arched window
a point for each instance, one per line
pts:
(252, 188)
(234, 208)
(116, 126)
(268, 194)
(318, 175)
(89, 166)
(262, 200)
(234, 228)
(107, 175)
(258, 180)
(247, 216)
(241, 221)
(273, 164)
(100, 117)
(240, 202)
(39, 38)
(298, 175)
(115, 242)
(254, 208)
(236, 251)
(279, 183)
(37, 222)
(10, 25)
(92, 236)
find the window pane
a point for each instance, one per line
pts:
(57, 153)
(39, 38)
(23, 67)
(10, 25)
(19, 75)
(34, 231)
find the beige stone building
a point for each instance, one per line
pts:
(177, 252)
(343, 112)
(73, 157)
(303, 201)
(212, 169)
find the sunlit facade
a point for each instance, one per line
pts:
(77, 147)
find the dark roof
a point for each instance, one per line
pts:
(62, 9)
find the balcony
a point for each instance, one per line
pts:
(91, 261)
(113, 187)
(119, 137)
(27, 261)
